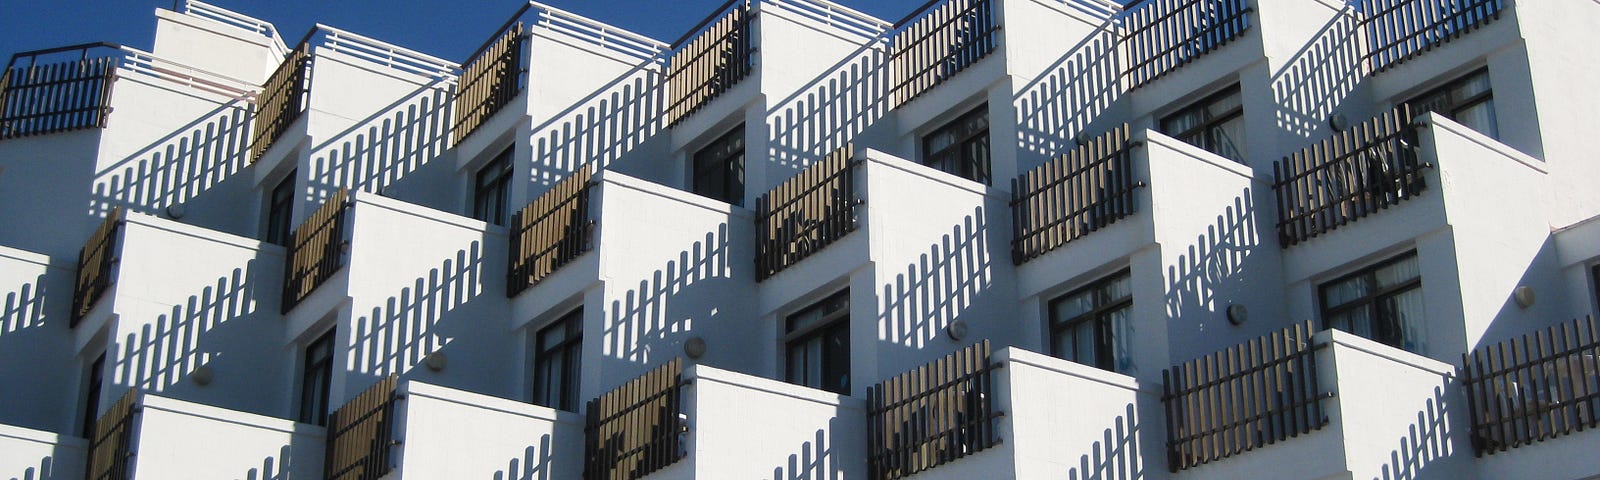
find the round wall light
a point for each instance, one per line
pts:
(694, 347)
(1237, 314)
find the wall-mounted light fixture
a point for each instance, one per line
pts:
(1237, 314)
(694, 347)
(957, 330)
(201, 376)
(436, 361)
(1523, 295)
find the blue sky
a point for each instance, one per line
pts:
(450, 29)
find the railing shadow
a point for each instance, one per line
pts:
(1426, 441)
(645, 315)
(600, 128)
(273, 468)
(1215, 267)
(828, 113)
(1115, 455)
(533, 465)
(179, 167)
(382, 149)
(397, 335)
(1072, 93)
(816, 459)
(45, 471)
(1316, 81)
(24, 308)
(946, 280)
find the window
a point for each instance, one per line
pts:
(817, 345)
(1215, 124)
(1467, 100)
(91, 401)
(1093, 324)
(719, 168)
(1382, 302)
(556, 362)
(314, 380)
(1595, 278)
(961, 147)
(280, 211)
(492, 190)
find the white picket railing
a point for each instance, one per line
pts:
(387, 54)
(600, 34)
(214, 13)
(139, 61)
(837, 16)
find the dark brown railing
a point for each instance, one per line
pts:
(1398, 30)
(1166, 34)
(936, 42)
(634, 430)
(806, 213)
(316, 249)
(1085, 190)
(1251, 395)
(57, 97)
(549, 232)
(1356, 173)
(283, 98)
(95, 260)
(1535, 388)
(933, 415)
(710, 64)
(490, 81)
(360, 434)
(111, 449)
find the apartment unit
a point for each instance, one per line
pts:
(1183, 239)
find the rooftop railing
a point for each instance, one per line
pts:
(95, 261)
(1073, 195)
(937, 41)
(933, 415)
(597, 33)
(836, 16)
(1398, 30)
(361, 433)
(635, 429)
(1535, 388)
(806, 213)
(228, 17)
(1246, 397)
(491, 79)
(283, 98)
(38, 99)
(708, 64)
(550, 232)
(316, 250)
(1357, 172)
(111, 447)
(1166, 34)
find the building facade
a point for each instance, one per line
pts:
(1183, 239)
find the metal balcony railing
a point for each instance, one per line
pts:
(1245, 397)
(283, 98)
(806, 213)
(1166, 34)
(1535, 388)
(1398, 30)
(492, 78)
(111, 447)
(316, 250)
(710, 63)
(1356, 173)
(95, 261)
(38, 99)
(635, 429)
(361, 433)
(550, 232)
(933, 415)
(1080, 192)
(937, 41)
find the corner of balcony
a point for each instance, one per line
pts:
(447, 433)
(32, 454)
(1532, 402)
(147, 436)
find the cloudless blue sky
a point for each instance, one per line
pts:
(450, 29)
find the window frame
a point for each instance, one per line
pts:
(1371, 299)
(829, 323)
(93, 386)
(320, 371)
(570, 351)
(1208, 122)
(1099, 315)
(1457, 105)
(727, 167)
(280, 211)
(982, 169)
(496, 210)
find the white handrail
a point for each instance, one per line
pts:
(135, 60)
(601, 34)
(199, 9)
(1097, 8)
(838, 16)
(387, 54)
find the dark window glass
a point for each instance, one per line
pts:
(817, 345)
(556, 360)
(719, 168)
(314, 380)
(91, 404)
(280, 211)
(1382, 302)
(1092, 325)
(492, 191)
(1467, 100)
(961, 147)
(1215, 124)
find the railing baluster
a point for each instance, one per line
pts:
(1398, 30)
(1072, 195)
(1532, 388)
(805, 214)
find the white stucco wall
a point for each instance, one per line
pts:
(174, 439)
(27, 454)
(742, 426)
(1066, 420)
(446, 433)
(209, 44)
(35, 343)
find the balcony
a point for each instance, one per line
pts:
(316, 250)
(806, 213)
(57, 97)
(148, 437)
(282, 99)
(1350, 176)
(550, 232)
(1538, 392)
(938, 41)
(95, 261)
(933, 415)
(361, 434)
(1166, 34)
(636, 429)
(710, 60)
(1074, 195)
(491, 79)
(1399, 30)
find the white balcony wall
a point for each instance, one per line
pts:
(742, 426)
(446, 433)
(226, 49)
(1578, 247)
(50, 174)
(1065, 420)
(1561, 74)
(187, 298)
(35, 344)
(178, 439)
(27, 454)
(1068, 65)
(1312, 50)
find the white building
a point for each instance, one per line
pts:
(1183, 239)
